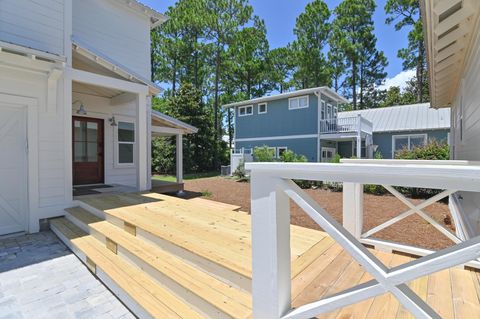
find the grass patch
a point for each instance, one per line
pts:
(171, 178)
(206, 193)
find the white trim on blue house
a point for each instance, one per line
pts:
(298, 98)
(409, 136)
(266, 108)
(246, 107)
(273, 138)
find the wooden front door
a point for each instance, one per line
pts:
(88, 153)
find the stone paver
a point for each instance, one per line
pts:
(41, 278)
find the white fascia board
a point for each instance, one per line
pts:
(322, 89)
(30, 52)
(173, 121)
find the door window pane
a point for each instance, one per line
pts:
(79, 131)
(92, 152)
(80, 152)
(125, 153)
(126, 132)
(92, 131)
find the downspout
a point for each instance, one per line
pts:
(319, 105)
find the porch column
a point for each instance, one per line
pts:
(142, 148)
(179, 142)
(359, 136)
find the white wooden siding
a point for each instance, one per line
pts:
(50, 137)
(116, 31)
(468, 148)
(37, 24)
(98, 107)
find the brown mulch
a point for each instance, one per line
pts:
(413, 230)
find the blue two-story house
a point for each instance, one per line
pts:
(308, 123)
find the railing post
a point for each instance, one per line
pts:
(353, 208)
(271, 283)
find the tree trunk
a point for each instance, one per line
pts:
(354, 83)
(174, 75)
(421, 56)
(215, 108)
(230, 130)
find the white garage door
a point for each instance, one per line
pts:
(13, 169)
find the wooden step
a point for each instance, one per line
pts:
(81, 217)
(143, 295)
(213, 296)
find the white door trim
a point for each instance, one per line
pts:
(31, 106)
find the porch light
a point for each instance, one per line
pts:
(112, 121)
(81, 110)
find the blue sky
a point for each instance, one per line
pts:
(280, 16)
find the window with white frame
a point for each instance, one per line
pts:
(281, 150)
(329, 111)
(400, 142)
(323, 110)
(262, 108)
(296, 103)
(245, 110)
(125, 143)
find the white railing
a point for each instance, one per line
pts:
(346, 125)
(272, 189)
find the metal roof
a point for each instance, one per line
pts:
(156, 18)
(189, 129)
(323, 89)
(404, 117)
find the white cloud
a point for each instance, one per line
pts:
(398, 80)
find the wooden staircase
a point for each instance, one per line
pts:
(166, 257)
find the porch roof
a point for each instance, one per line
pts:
(104, 61)
(30, 52)
(159, 120)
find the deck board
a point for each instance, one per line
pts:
(320, 267)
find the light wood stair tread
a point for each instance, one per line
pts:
(156, 300)
(224, 297)
(83, 215)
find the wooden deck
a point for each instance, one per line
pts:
(199, 251)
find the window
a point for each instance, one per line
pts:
(245, 110)
(281, 150)
(296, 103)
(126, 142)
(262, 108)
(329, 111)
(323, 110)
(401, 142)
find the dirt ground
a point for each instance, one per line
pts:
(412, 230)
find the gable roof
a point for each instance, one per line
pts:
(322, 89)
(404, 118)
(156, 18)
(173, 122)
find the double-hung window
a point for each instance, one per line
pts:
(400, 142)
(296, 103)
(125, 143)
(245, 110)
(262, 108)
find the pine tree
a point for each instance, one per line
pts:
(406, 14)
(280, 66)
(311, 30)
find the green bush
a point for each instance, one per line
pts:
(375, 189)
(263, 154)
(290, 157)
(433, 150)
(336, 159)
(240, 173)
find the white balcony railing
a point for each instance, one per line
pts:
(346, 125)
(272, 189)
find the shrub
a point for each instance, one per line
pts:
(290, 157)
(263, 154)
(336, 159)
(240, 173)
(433, 150)
(375, 189)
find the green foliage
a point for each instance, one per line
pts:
(290, 157)
(336, 159)
(280, 65)
(353, 38)
(406, 14)
(433, 150)
(239, 172)
(311, 30)
(263, 154)
(375, 189)
(198, 149)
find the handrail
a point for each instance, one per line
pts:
(346, 125)
(272, 189)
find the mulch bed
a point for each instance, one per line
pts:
(412, 230)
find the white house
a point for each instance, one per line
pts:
(74, 103)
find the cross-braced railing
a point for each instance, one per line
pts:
(272, 189)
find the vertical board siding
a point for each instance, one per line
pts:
(33, 23)
(115, 31)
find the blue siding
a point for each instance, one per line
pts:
(301, 146)
(384, 140)
(278, 121)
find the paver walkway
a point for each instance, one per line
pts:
(41, 278)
